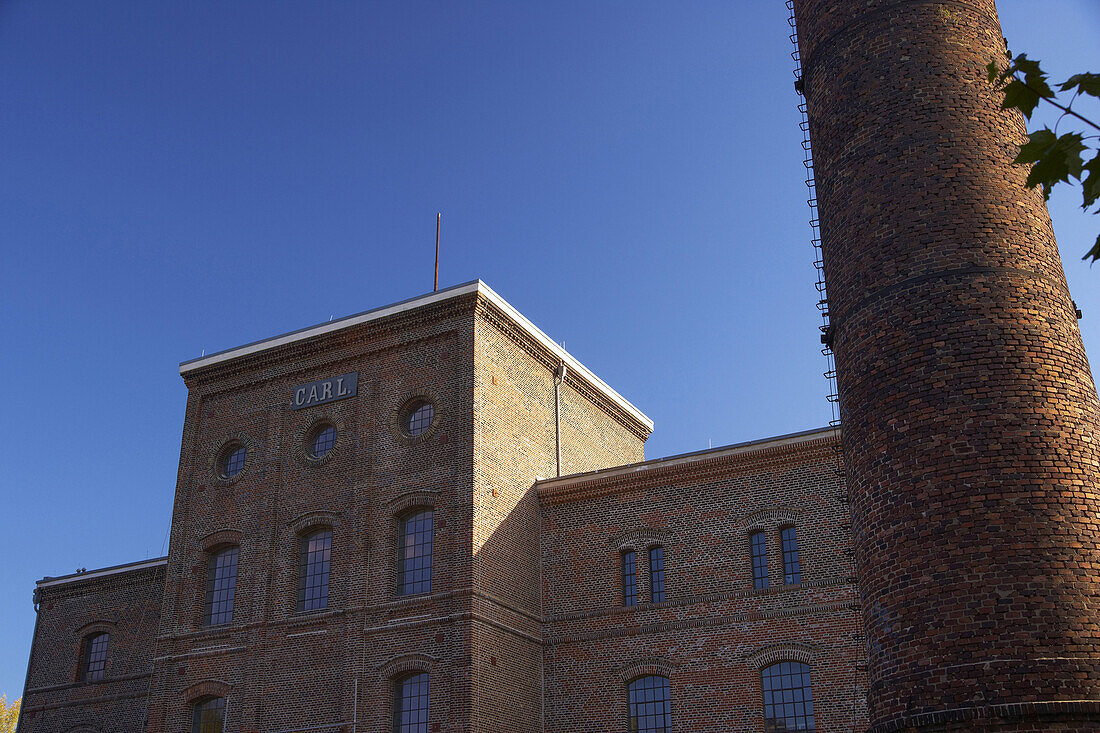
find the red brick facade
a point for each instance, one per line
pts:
(971, 421)
(124, 604)
(523, 628)
(957, 592)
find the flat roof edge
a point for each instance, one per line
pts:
(733, 449)
(101, 572)
(328, 327)
(474, 286)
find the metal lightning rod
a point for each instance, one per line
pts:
(438, 217)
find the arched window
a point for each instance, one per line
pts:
(788, 701)
(630, 578)
(94, 664)
(650, 710)
(758, 547)
(221, 584)
(208, 716)
(414, 558)
(313, 570)
(657, 574)
(791, 570)
(410, 704)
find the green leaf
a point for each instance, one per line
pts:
(1090, 186)
(1084, 83)
(1020, 97)
(993, 71)
(1034, 77)
(1052, 162)
(1093, 253)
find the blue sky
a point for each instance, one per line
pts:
(190, 176)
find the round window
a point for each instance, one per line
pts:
(232, 460)
(322, 442)
(419, 417)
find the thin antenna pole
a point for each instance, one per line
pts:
(438, 217)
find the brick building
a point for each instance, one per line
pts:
(429, 517)
(371, 520)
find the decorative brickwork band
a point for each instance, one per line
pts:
(644, 667)
(971, 425)
(769, 655)
(402, 665)
(215, 540)
(204, 689)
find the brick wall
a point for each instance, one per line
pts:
(714, 632)
(969, 411)
(514, 444)
(126, 606)
(281, 667)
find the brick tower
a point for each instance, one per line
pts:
(970, 417)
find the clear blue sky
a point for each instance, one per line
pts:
(189, 176)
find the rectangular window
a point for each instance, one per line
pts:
(410, 704)
(657, 573)
(221, 582)
(759, 549)
(791, 573)
(314, 570)
(630, 579)
(414, 571)
(95, 657)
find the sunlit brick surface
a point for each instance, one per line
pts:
(970, 416)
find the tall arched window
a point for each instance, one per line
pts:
(788, 700)
(221, 584)
(94, 664)
(313, 570)
(630, 578)
(657, 574)
(792, 573)
(410, 704)
(758, 547)
(650, 709)
(414, 559)
(208, 716)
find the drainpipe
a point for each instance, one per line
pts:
(559, 379)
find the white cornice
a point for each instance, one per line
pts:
(711, 454)
(477, 286)
(103, 572)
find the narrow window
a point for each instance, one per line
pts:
(759, 560)
(207, 716)
(313, 571)
(791, 573)
(221, 583)
(415, 554)
(788, 702)
(648, 698)
(410, 704)
(657, 573)
(95, 657)
(630, 578)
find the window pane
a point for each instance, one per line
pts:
(657, 573)
(788, 703)
(323, 442)
(95, 662)
(221, 582)
(410, 704)
(630, 579)
(207, 716)
(420, 419)
(759, 560)
(415, 554)
(314, 571)
(649, 705)
(234, 462)
(791, 573)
